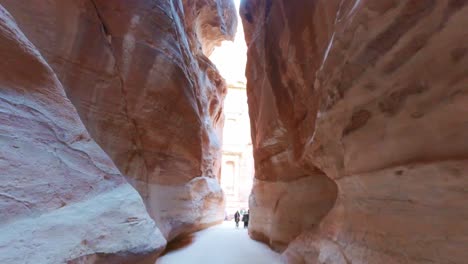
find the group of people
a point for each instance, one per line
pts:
(245, 218)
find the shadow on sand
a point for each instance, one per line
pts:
(178, 243)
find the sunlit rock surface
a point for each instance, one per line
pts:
(364, 102)
(61, 198)
(138, 74)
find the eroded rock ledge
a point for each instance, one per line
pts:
(373, 94)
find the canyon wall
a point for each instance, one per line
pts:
(61, 197)
(138, 74)
(359, 122)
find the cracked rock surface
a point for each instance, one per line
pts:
(359, 124)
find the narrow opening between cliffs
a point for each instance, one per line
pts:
(228, 242)
(237, 168)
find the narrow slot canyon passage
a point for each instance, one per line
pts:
(237, 164)
(226, 243)
(132, 132)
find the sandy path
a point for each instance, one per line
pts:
(222, 244)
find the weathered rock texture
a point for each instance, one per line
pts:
(138, 74)
(61, 197)
(365, 102)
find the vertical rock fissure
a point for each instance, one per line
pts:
(136, 139)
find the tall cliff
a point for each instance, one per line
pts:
(359, 123)
(62, 200)
(138, 74)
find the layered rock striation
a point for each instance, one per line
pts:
(62, 200)
(139, 76)
(359, 124)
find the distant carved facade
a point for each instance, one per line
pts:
(237, 161)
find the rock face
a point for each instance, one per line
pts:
(138, 74)
(359, 123)
(61, 198)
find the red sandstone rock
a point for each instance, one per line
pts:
(61, 198)
(138, 74)
(370, 96)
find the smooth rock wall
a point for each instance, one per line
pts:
(372, 96)
(139, 76)
(61, 196)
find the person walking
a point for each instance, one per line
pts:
(245, 219)
(237, 218)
